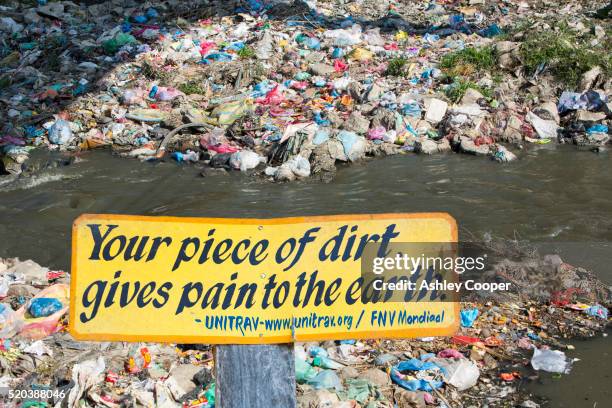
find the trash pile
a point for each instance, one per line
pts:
(501, 345)
(290, 90)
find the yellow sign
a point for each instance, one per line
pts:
(216, 280)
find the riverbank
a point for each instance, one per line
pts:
(292, 91)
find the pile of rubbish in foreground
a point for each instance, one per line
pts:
(502, 344)
(291, 89)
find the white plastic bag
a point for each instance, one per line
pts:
(344, 38)
(85, 375)
(245, 160)
(354, 146)
(553, 361)
(299, 165)
(546, 129)
(9, 25)
(373, 37)
(60, 133)
(9, 323)
(462, 374)
(265, 46)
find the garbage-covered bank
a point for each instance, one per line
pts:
(290, 90)
(505, 341)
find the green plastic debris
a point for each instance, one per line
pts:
(209, 394)
(358, 389)
(303, 371)
(112, 46)
(362, 391)
(34, 404)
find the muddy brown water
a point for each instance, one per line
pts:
(554, 196)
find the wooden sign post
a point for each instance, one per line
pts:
(255, 376)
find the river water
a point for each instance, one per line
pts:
(553, 196)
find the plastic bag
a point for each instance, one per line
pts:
(132, 96)
(39, 327)
(317, 351)
(468, 317)
(114, 44)
(590, 100)
(227, 113)
(304, 372)
(312, 43)
(43, 307)
(245, 160)
(326, 379)
(299, 165)
(146, 115)
(373, 37)
(415, 384)
(354, 146)
(7, 24)
(4, 287)
(38, 348)
(597, 311)
(188, 156)
(390, 136)
(167, 94)
(344, 38)
(265, 46)
(241, 30)
(340, 66)
(546, 129)
(9, 321)
(462, 374)
(85, 375)
(321, 136)
(326, 362)
(341, 84)
(361, 54)
(273, 97)
(60, 133)
(553, 361)
(450, 353)
(376, 133)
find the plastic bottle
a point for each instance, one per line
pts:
(153, 92)
(326, 362)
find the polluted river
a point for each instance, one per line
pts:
(554, 197)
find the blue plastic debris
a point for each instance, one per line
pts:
(321, 136)
(417, 384)
(491, 31)
(43, 307)
(326, 379)
(597, 311)
(468, 316)
(597, 129)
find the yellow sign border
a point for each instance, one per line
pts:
(382, 334)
